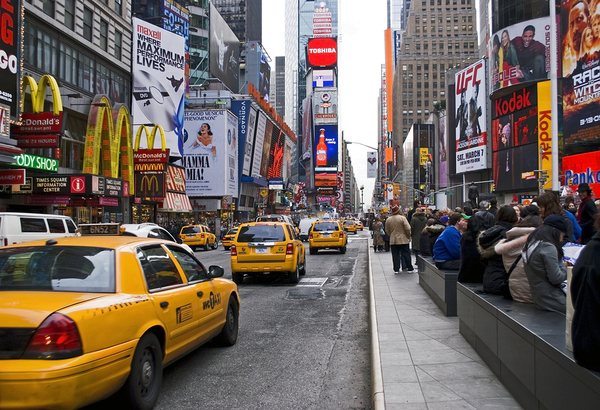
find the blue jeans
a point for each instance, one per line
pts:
(401, 256)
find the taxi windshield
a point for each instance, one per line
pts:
(58, 268)
(261, 233)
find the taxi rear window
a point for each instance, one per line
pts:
(269, 219)
(326, 226)
(190, 230)
(58, 268)
(261, 233)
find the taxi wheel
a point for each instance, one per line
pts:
(238, 278)
(343, 250)
(294, 276)
(205, 247)
(228, 335)
(313, 251)
(226, 248)
(143, 385)
(216, 244)
(303, 267)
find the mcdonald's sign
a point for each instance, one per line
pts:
(40, 122)
(150, 186)
(150, 160)
(108, 149)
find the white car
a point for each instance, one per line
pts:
(151, 230)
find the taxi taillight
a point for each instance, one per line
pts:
(201, 236)
(233, 250)
(310, 235)
(56, 338)
(341, 234)
(289, 250)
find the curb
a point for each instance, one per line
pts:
(378, 398)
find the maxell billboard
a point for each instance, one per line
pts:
(471, 133)
(325, 106)
(211, 154)
(224, 51)
(158, 81)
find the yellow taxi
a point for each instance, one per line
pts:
(261, 247)
(349, 225)
(82, 318)
(327, 235)
(198, 236)
(359, 224)
(228, 238)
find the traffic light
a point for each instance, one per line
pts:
(233, 207)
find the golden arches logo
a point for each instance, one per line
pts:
(108, 141)
(150, 137)
(149, 184)
(38, 93)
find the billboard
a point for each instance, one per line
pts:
(371, 164)
(211, 154)
(224, 53)
(580, 65)
(471, 133)
(322, 24)
(249, 145)
(177, 20)
(158, 77)
(326, 155)
(259, 141)
(10, 49)
(306, 128)
(518, 125)
(442, 152)
(322, 52)
(266, 151)
(242, 110)
(276, 154)
(325, 106)
(264, 78)
(520, 54)
(322, 78)
(581, 168)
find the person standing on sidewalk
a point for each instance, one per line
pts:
(377, 237)
(586, 214)
(397, 227)
(417, 224)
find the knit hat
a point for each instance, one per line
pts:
(444, 219)
(556, 221)
(395, 209)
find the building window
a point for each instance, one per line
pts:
(70, 14)
(404, 67)
(119, 7)
(104, 34)
(426, 84)
(48, 7)
(88, 23)
(118, 45)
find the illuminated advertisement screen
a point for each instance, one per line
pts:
(326, 148)
(322, 78)
(10, 47)
(470, 118)
(276, 155)
(580, 65)
(322, 52)
(520, 54)
(224, 51)
(266, 152)
(581, 168)
(325, 106)
(515, 140)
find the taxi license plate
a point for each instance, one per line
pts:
(325, 235)
(190, 235)
(261, 249)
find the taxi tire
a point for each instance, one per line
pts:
(303, 267)
(294, 276)
(312, 251)
(205, 247)
(140, 393)
(229, 334)
(215, 245)
(238, 278)
(343, 250)
(226, 248)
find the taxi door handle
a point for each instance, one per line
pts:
(200, 293)
(164, 304)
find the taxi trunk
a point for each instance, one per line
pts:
(262, 247)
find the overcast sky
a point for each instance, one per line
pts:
(361, 54)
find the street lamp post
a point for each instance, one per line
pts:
(362, 199)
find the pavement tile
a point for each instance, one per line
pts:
(478, 388)
(427, 345)
(396, 358)
(501, 403)
(437, 392)
(451, 405)
(457, 371)
(422, 357)
(394, 373)
(399, 393)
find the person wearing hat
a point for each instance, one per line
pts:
(586, 213)
(398, 229)
(543, 263)
(446, 251)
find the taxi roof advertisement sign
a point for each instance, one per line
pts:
(211, 154)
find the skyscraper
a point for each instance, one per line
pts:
(243, 17)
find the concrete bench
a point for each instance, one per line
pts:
(526, 349)
(440, 285)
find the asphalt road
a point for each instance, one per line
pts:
(303, 346)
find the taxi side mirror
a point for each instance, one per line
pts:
(215, 271)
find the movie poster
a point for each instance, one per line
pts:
(211, 154)
(580, 66)
(470, 118)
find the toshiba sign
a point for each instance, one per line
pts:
(322, 52)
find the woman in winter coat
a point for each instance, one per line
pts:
(585, 293)
(434, 230)
(471, 267)
(377, 238)
(418, 222)
(424, 247)
(494, 275)
(510, 249)
(549, 204)
(544, 267)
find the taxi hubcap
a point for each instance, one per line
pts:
(147, 372)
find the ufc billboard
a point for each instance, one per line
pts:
(322, 52)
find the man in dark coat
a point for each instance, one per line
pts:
(586, 213)
(486, 216)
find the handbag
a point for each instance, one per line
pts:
(505, 289)
(381, 232)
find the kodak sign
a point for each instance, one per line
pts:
(516, 101)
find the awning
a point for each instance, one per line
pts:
(174, 202)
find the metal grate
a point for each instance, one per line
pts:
(312, 282)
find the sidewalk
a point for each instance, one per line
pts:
(420, 360)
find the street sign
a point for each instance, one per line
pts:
(449, 192)
(264, 193)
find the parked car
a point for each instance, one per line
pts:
(151, 230)
(261, 247)
(89, 316)
(327, 235)
(198, 236)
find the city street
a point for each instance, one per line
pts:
(302, 346)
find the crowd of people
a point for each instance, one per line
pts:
(512, 250)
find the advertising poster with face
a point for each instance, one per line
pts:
(580, 24)
(443, 153)
(158, 82)
(520, 54)
(259, 141)
(470, 118)
(515, 140)
(210, 158)
(224, 51)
